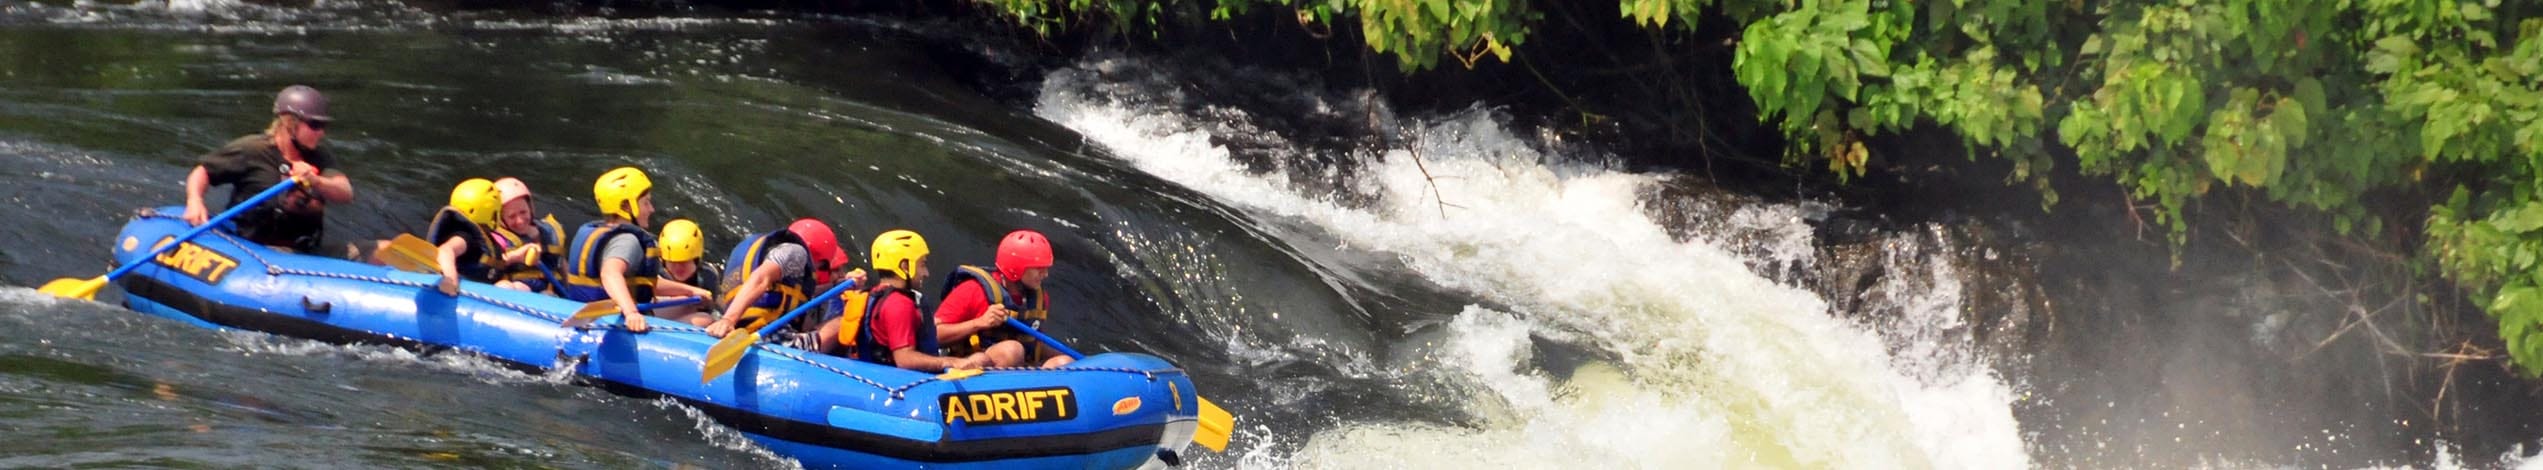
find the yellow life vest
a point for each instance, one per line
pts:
(550, 237)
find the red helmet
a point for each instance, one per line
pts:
(1022, 250)
(823, 245)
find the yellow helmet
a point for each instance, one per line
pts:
(895, 247)
(478, 199)
(681, 241)
(618, 190)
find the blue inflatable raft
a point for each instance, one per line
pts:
(1115, 410)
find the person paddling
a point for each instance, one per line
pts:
(463, 235)
(682, 246)
(977, 302)
(774, 272)
(614, 258)
(288, 148)
(533, 247)
(893, 332)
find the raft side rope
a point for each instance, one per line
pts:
(278, 270)
(859, 378)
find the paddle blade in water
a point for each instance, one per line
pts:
(727, 353)
(83, 289)
(1216, 425)
(411, 254)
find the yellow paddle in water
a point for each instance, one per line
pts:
(1216, 423)
(727, 353)
(412, 254)
(606, 307)
(86, 289)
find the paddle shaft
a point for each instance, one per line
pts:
(552, 285)
(236, 208)
(1216, 425)
(727, 353)
(1046, 339)
(771, 327)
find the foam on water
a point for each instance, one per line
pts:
(726, 437)
(29, 296)
(201, 6)
(1718, 366)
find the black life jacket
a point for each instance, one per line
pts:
(705, 277)
(477, 262)
(1029, 306)
(582, 264)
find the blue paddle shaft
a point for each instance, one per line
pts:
(806, 307)
(236, 208)
(551, 275)
(1046, 339)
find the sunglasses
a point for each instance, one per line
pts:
(314, 125)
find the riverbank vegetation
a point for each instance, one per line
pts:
(2336, 108)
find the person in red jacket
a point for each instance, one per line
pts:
(972, 318)
(890, 330)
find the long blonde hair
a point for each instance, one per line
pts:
(282, 126)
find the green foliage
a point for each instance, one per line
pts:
(1415, 32)
(2317, 104)
(1049, 16)
(2477, 107)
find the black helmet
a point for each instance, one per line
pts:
(302, 101)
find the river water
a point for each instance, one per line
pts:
(1479, 295)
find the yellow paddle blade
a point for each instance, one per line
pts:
(957, 374)
(727, 353)
(1216, 425)
(592, 311)
(83, 289)
(410, 253)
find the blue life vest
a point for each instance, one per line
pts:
(582, 264)
(782, 296)
(869, 343)
(1029, 307)
(476, 262)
